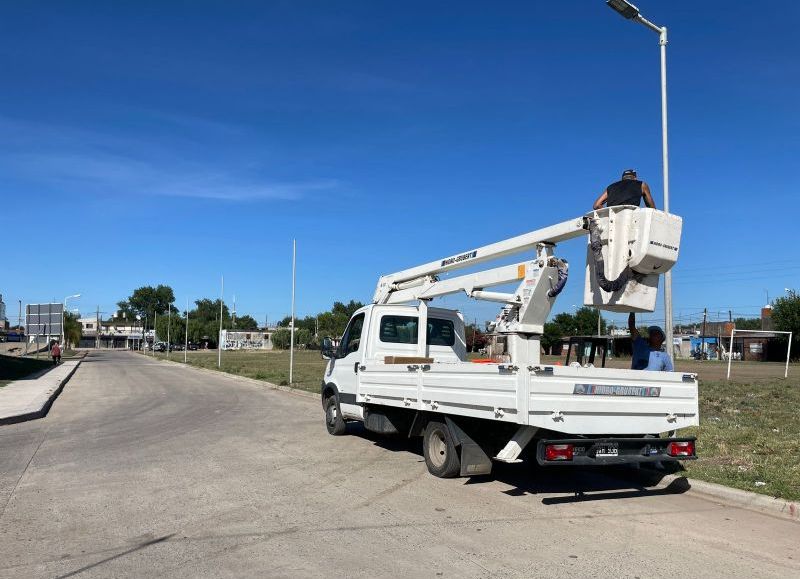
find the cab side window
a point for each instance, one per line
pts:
(351, 340)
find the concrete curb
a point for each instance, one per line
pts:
(45, 408)
(256, 381)
(780, 508)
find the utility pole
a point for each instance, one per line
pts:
(291, 334)
(19, 321)
(155, 331)
(186, 340)
(233, 318)
(703, 337)
(221, 302)
(97, 329)
(169, 323)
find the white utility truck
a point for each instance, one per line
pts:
(396, 379)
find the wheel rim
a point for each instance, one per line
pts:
(332, 414)
(437, 448)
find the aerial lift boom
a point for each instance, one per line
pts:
(629, 248)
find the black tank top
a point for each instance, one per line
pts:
(625, 192)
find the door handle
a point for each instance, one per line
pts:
(355, 368)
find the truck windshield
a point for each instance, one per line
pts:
(403, 330)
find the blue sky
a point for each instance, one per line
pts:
(172, 142)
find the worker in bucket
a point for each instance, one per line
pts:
(648, 354)
(627, 191)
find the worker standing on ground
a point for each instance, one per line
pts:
(627, 191)
(648, 353)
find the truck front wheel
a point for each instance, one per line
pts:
(333, 416)
(440, 452)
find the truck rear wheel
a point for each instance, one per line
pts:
(440, 452)
(333, 416)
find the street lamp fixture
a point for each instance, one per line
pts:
(625, 8)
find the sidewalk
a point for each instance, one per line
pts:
(31, 398)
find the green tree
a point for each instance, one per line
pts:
(147, 300)
(246, 323)
(208, 310)
(747, 323)
(586, 322)
(303, 337)
(551, 337)
(280, 339)
(786, 318)
(72, 330)
(177, 328)
(331, 323)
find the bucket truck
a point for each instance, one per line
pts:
(401, 366)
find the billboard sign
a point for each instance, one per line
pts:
(43, 319)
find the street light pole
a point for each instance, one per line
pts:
(291, 333)
(631, 12)
(186, 337)
(219, 339)
(169, 323)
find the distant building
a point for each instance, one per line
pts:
(112, 333)
(2, 312)
(246, 340)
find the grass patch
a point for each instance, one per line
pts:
(749, 434)
(16, 368)
(270, 366)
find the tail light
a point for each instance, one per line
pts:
(558, 452)
(681, 448)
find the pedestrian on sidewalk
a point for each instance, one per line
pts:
(55, 352)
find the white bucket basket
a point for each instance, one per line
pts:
(637, 244)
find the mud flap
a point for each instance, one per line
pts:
(474, 461)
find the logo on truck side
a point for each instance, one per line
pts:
(617, 390)
(664, 245)
(459, 258)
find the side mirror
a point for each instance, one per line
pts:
(328, 349)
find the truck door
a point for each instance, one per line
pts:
(345, 371)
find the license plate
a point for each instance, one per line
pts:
(607, 450)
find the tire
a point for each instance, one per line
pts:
(333, 416)
(440, 452)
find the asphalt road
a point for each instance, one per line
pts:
(148, 469)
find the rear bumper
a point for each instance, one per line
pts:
(600, 451)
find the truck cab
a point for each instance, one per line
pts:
(378, 332)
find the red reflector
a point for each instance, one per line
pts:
(558, 452)
(681, 448)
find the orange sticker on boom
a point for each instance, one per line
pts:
(521, 271)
